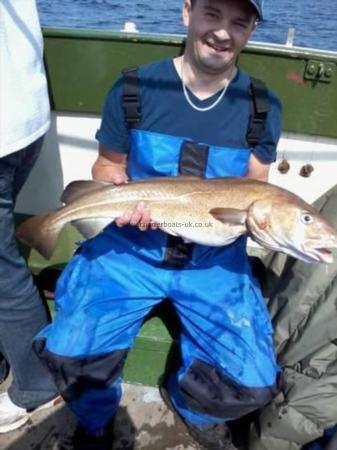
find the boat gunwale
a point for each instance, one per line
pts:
(177, 39)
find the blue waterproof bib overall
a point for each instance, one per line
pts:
(114, 280)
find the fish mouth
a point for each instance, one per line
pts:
(320, 254)
(310, 251)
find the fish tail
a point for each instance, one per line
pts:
(39, 233)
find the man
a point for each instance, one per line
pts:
(25, 118)
(194, 116)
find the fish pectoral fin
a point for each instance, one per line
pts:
(231, 216)
(78, 188)
(91, 227)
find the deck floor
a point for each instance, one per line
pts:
(143, 422)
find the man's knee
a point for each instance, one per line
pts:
(207, 390)
(74, 375)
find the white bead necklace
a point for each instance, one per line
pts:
(187, 96)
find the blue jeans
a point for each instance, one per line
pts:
(22, 313)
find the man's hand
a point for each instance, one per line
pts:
(138, 216)
(257, 170)
(110, 166)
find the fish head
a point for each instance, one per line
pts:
(292, 227)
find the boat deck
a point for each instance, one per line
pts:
(142, 422)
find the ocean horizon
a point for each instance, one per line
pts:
(315, 23)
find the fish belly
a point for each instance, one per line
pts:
(201, 229)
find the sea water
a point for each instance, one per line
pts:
(315, 23)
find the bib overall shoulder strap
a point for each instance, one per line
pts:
(260, 105)
(131, 97)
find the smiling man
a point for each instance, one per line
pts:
(217, 33)
(218, 30)
(197, 114)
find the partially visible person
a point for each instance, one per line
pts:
(302, 305)
(24, 120)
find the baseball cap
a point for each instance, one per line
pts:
(258, 4)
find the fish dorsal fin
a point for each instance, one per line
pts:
(78, 188)
(231, 216)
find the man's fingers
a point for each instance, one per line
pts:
(154, 225)
(119, 179)
(145, 216)
(140, 216)
(135, 218)
(124, 219)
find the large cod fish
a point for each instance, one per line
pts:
(211, 212)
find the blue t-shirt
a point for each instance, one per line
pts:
(164, 110)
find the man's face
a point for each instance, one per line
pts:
(217, 32)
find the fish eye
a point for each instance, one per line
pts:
(306, 218)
